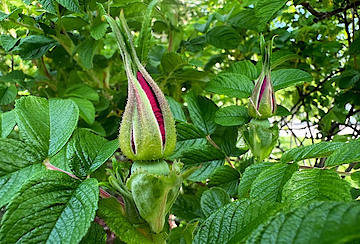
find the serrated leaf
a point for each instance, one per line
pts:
(232, 115)
(81, 91)
(52, 207)
(202, 112)
(72, 5)
(225, 177)
(319, 222)
(86, 109)
(86, 152)
(7, 94)
(64, 115)
(315, 184)
(319, 150)
(86, 52)
(208, 156)
(224, 37)
(249, 176)
(280, 57)
(233, 222)
(7, 123)
(176, 109)
(265, 9)
(95, 235)
(213, 199)
(270, 182)
(18, 162)
(283, 78)
(347, 153)
(231, 85)
(8, 42)
(34, 46)
(187, 207)
(173, 61)
(112, 213)
(245, 67)
(49, 5)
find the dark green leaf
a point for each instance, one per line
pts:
(249, 176)
(52, 207)
(315, 184)
(231, 85)
(202, 112)
(18, 162)
(213, 199)
(7, 94)
(196, 44)
(182, 235)
(227, 178)
(245, 67)
(280, 57)
(86, 109)
(319, 150)
(34, 46)
(86, 152)
(95, 235)
(72, 5)
(347, 153)
(187, 207)
(224, 37)
(355, 46)
(283, 78)
(282, 111)
(113, 214)
(73, 23)
(8, 42)
(49, 5)
(15, 76)
(270, 182)
(265, 10)
(82, 91)
(176, 109)
(7, 123)
(233, 222)
(245, 19)
(232, 115)
(86, 52)
(204, 27)
(319, 222)
(173, 61)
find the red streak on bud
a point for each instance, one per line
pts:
(263, 85)
(154, 104)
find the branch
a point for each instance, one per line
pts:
(325, 15)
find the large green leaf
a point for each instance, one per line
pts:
(208, 156)
(245, 19)
(249, 176)
(233, 222)
(86, 52)
(319, 222)
(283, 78)
(322, 149)
(176, 109)
(86, 152)
(7, 123)
(86, 109)
(232, 115)
(347, 153)
(316, 184)
(34, 46)
(112, 213)
(224, 37)
(7, 94)
(213, 199)
(265, 9)
(231, 85)
(18, 162)
(202, 112)
(245, 67)
(52, 207)
(227, 178)
(270, 182)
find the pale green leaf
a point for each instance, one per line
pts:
(315, 184)
(283, 78)
(319, 222)
(347, 153)
(52, 207)
(7, 123)
(270, 182)
(231, 85)
(232, 115)
(86, 109)
(213, 199)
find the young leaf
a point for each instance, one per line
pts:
(319, 150)
(315, 184)
(249, 176)
(270, 182)
(319, 222)
(213, 199)
(231, 85)
(233, 222)
(112, 213)
(283, 78)
(202, 112)
(18, 162)
(245, 67)
(7, 123)
(224, 37)
(347, 153)
(232, 115)
(86, 152)
(265, 9)
(225, 177)
(52, 207)
(280, 57)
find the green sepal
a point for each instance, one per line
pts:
(154, 194)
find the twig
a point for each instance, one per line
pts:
(214, 144)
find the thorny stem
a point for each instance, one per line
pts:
(216, 146)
